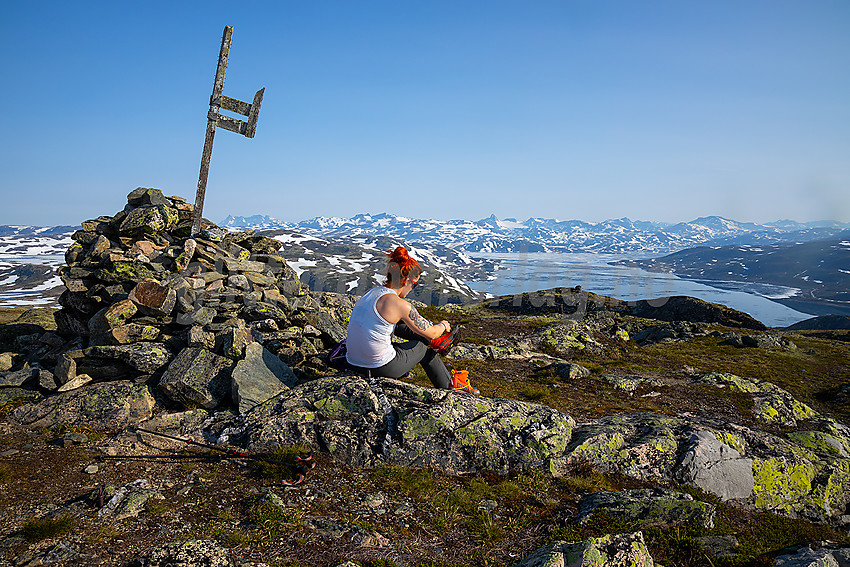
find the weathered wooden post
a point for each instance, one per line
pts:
(219, 101)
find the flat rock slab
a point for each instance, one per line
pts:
(717, 468)
(450, 431)
(109, 405)
(618, 550)
(197, 377)
(650, 507)
(258, 377)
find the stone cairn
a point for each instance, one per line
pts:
(209, 321)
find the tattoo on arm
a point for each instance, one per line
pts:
(418, 319)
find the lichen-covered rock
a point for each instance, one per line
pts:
(7, 361)
(259, 377)
(126, 271)
(149, 219)
(192, 553)
(649, 507)
(197, 377)
(66, 369)
(616, 550)
(716, 468)
(129, 500)
(200, 317)
(565, 339)
(129, 333)
(571, 371)
(641, 445)
(626, 383)
(330, 327)
(145, 357)
(111, 405)
(675, 331)
(771, 403)
(112, 316)
(75, 383)
(791, 484)
(446, 430)
(233, 342)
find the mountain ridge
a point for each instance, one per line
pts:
(537, 234)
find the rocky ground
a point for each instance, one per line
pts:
(674, 431)
(387, 514)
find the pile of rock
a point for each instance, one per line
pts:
(146, 302)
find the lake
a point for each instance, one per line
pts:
(538, 270)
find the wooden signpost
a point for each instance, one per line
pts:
(218, 101)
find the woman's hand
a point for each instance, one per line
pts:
(446, 325)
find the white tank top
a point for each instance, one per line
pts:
(368, 343)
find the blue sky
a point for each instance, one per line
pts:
(571, 109)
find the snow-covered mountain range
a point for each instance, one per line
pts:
(616, 236)
(330, 252)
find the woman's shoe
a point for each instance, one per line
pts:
(460, 383)
(444, 342)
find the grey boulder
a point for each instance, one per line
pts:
(258, 377)
(449, 431)
(716, 468)
(197, 377)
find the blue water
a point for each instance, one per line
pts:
(535, 271)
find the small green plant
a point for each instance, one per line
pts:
(237, 538)
(5, 475)
(534, 392)
(38, 529)
(156, 508)
(485, 527)
(582, 477)
(533, 483)
(421, 484)
(273, 522)
(508, 490)
(103, 534)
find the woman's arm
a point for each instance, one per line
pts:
(420, 325)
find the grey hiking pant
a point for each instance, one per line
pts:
(410, 353)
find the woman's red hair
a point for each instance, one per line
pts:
(401, 266)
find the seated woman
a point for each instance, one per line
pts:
(382, 312)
